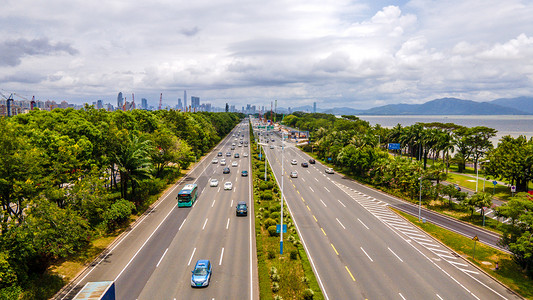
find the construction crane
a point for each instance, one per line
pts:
(160, 101)
(9, 101)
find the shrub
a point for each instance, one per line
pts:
(269, 222)
(270, 184)
(308, 294)
(272, 231)
(274, 208)
(271, 255)
(275, 215)
(118, 213)
(273, 270)
(278, 297)
(267, 195)
(275, 287)
(263, 186)
(305, 280)
(294, 254)
(266, 214)
(275, 277)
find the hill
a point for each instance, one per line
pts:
(522, 103)
(445, 106)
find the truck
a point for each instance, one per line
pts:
(100, 290)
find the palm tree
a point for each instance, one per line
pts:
(134, 163)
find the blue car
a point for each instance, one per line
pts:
(201, 275)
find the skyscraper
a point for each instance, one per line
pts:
(120, 101)
(195, 102)
(180, 106)
(144, 104)
(314, 107)
(185, 100)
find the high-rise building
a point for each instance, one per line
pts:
(120, 101)
(185, 100)
(144, 104)
(99, 104)
(180, 105)
(314, 107)
(195, 102)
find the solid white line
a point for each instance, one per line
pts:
(218, 190)
(221, 256)
(439, 297)
(205, 223)
(323, 203)
(161, 258)
(395, 254)
(142, 246)
(227, 224)
(311, 190)
(366, 254)
(327, 189)
(340, 223)
(341, 203)
(363, 223)
(231, 204)
(192, 255)
(182, 224)
(214, 200)
(401, 296)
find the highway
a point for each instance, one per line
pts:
(359, 249)
(154, 259)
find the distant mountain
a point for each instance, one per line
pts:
(445, 106)
(522, 103)
(339, 111)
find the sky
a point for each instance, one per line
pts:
(337, 53)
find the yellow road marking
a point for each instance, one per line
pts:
(298, 191)
(303, 199)
(334, 249)
(323, 231)
(315, 218)
(349, 273)
(308, 207)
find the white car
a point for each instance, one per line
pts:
(294, 162)
(271, 146)
(223, 162)
(245, 154)
(228, 186)
(234, 164)
(215, 161)
(294, 174)
(213, 182)
(329, 171)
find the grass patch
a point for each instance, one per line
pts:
(509, 273)
(500, 191)
(293, 274)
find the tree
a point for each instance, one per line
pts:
(478, 200)
(523, 252)
(134, 163)
(512, 161)
(450, 191)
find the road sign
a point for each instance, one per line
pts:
(495, 182)
(278, 228)
(394, 146)
(513, 189)
(475, 238)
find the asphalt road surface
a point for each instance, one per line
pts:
(359, 249)
(154, 259)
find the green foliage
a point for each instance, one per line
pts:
(294, 254)
(266, 195)
(269, 222)
(270, 185)
(118, 213)
(8, 277)
(271, 255)
(10, 293)
(275, 287)
(272, 231)
(263, 186)
(275, 215)
(308, 294)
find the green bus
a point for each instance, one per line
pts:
(188, 195)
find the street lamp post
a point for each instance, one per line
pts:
(420, 200)
(282, 175)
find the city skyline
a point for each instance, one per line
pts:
(357, 54)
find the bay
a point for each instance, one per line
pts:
(513, 125)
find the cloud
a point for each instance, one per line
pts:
(12, 51)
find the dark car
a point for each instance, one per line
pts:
(228, 154)
(219, 154)
(226, 170)
(304, 164)
(241, 209)
(244, 173)
(311, 161)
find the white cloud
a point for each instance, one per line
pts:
(344, 53)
